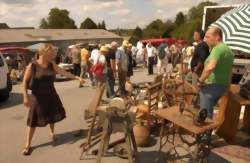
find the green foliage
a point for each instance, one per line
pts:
(88, 24)
(138, 33)
(183, 26)
(133, 40)
(58, 19)
(99, 25)
(186, 30)
(196, 12)
(103, 25)
(180, 18)
(155, 29)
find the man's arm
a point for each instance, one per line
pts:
(117, 60)
(209, 68)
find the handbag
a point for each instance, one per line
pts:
(32, 76)
(98, 68)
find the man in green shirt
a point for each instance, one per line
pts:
(216, 76)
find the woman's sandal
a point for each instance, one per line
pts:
(26, 151)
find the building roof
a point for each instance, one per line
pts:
(40, 35)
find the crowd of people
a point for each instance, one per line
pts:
(103, 64)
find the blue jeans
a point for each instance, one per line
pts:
(209, 96)
(110, 83)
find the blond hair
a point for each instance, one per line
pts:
(44, 49)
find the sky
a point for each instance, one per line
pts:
(116, 13)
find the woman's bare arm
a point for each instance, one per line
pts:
(61, 71)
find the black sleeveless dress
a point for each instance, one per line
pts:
(45, 104)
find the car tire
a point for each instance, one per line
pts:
(4, 96)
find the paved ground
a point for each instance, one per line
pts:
(66, 149)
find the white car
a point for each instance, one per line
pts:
(67, 67)
(5, 82)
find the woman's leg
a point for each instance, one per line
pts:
(29, 136)
(52, 126)
(52, 133)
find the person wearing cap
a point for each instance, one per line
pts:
(122, 66)
(111, 70)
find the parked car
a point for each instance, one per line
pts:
(5, 82)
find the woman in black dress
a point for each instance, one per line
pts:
(45, 106)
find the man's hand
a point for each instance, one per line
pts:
(200, 83)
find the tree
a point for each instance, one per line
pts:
(180, 18)
(58, 19)
(118, 31)
(170, 26)
(155, 29)
(88, 24)
(133, 40)
(44, 24)
(103, 25)
(193, 22)
(99, 26)
(138, 33)
(196, 12)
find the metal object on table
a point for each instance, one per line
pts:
(118, 120)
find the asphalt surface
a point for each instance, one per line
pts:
(65, 149)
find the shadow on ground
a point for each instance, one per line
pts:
(70, 137)
(14, 99)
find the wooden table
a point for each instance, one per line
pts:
(185, 122)
(229, 127)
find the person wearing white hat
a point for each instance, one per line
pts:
(100, 62)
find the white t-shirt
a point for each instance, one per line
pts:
(97, 56)
(151, 51)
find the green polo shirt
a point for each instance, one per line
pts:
(222, 73)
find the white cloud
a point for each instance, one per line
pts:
(120, 12)
(159, 11)
(114, 12)
(93, 6)
(3, 9)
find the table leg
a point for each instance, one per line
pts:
(246, 119)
